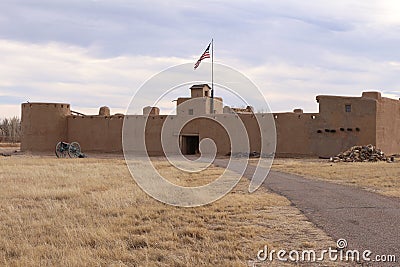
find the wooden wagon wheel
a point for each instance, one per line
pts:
(74, 150)
(61, 150)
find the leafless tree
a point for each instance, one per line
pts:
(10, 130)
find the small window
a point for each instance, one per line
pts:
(348, 108)
(191, 111)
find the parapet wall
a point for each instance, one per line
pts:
(295, 134)
(341, 123)
(43, 125)
(96, 133)
(202, 127)
(388, 126)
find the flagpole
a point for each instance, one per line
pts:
(212, 77)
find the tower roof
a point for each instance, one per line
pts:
(200, 86)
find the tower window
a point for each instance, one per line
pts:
(348, 108)
(191, 111)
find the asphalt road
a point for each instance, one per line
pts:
(365, 219)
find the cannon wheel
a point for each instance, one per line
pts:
(60, 151)
(74, 150)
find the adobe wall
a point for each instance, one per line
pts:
(214, 131)
(199, 105)
(295, 134)
(388, 125)
(203, 127)
(153, 134)
(96, 133)
(251, 123)
(372, 120)
(152, 125)
(43, 125)
(340, 130)
(330, 131)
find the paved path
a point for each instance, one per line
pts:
(365, 219)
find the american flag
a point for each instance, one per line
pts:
(206, 54)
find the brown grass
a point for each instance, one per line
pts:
(182, 178)
(380, 177)
(90, 212)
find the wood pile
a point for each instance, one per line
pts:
(367, 153)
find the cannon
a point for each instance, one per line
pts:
(73, 150)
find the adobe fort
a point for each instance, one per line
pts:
(342, 122)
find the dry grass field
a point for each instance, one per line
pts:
(90, 212)
(379, 177)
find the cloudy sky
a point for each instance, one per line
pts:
(94, 53)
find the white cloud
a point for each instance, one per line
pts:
(287, 85)
(8, 111)
(64, 73)
(60, 73)
(98, 53)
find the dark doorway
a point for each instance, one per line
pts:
(190, 144)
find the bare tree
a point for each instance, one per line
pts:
(10, 130)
